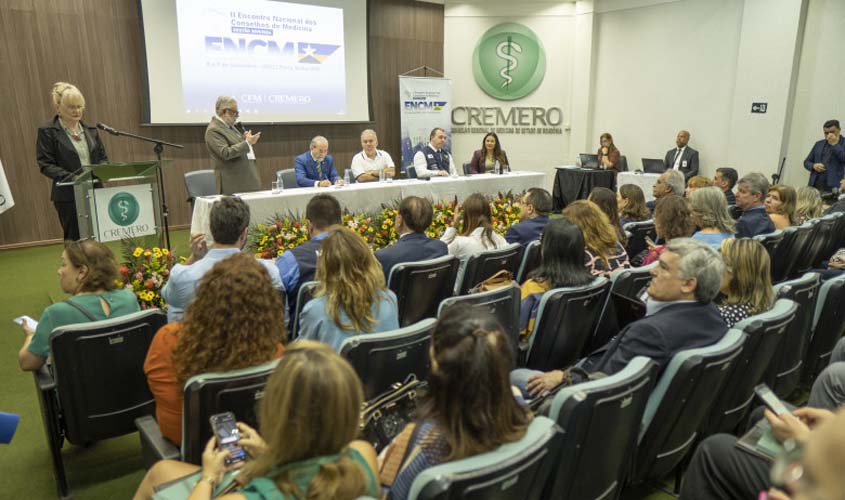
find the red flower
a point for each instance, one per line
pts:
(297, 224)
(149, 284)
(124, 270)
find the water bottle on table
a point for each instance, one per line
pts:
(278, 184)
(347, 177)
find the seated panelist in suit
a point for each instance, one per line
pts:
(231, 150)
(315, 168)
(682, 158)
(490, 156)
(433, 160)
(412, 219)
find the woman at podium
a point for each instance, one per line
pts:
(64, 145)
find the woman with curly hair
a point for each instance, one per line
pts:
(235, 321)
(305, 447)
(604, 254)
(351, 297)
(672, 219)
(809, 204)
(630, 201)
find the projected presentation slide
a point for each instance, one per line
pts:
(274, 57)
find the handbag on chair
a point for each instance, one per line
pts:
(386, 415)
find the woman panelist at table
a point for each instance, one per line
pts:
(608, 153)
(489, 156)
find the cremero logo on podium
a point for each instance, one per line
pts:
(125, 212)
(509, 61)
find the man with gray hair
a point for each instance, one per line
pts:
(680, 315)
(315, 167)
(231, 150)
(371, 161)
(751, 192)
(669, 182)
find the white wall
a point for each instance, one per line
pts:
(820, 91)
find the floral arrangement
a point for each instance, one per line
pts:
(145, 271)
(271, 239)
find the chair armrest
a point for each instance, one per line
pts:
(154, 446)
(44, 381)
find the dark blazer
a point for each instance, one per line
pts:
(690, 156)
(57, 157)
(660, 336)
(730, 197)
(306, 170)
(477, 165)
(753, 222)
(836, 167)
(839, 206)
(526, 231)
(412, 247)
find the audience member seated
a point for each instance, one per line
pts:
(808, 206)
(306, 445)
(747, 283)
(350, 298)
(236, 321)
(315, 167)
(470, 409)
(750, 193)
(839, 205)
(534, 212)
(669, 182)
(697, 182)
(477, 234)
(680, 316)
(88, 273)
(490, 157)
(672, 219)
(412, 219)
(725, 179)
(229, 224)
(780, 205)
(604, 254)
(605, 199)
(562, 265)
(298, 265)
(630, 203)
(710, 214)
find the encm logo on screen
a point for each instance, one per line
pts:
(509, 61)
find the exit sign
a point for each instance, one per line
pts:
(759, 107)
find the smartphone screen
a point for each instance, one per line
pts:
(228, 436)
(770, 399)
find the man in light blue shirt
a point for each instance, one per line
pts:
(229, 222)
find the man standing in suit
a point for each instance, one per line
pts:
(433, 160)
(315, 168)
(412, 219)
(826, 161)
(682, 158)
(751, 192)
(533, 217)
(680, 315)
(234, 159)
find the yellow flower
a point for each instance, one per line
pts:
(138, 252)
(147, 253)
(165, 251)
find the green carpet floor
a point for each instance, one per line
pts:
(110, 469)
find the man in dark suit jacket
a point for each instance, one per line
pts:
(751, 191)
(680, 316)
(315, 168)
(725, 179)
(533, 217)
(412, 219)
(682, 158)
(826, 161)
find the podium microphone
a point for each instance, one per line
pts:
(106, 128)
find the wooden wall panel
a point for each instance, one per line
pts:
(96, 45)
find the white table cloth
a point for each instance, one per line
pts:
(368, 197)
(644, 181)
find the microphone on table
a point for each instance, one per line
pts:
(106, 128)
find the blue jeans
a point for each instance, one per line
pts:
(520, 378)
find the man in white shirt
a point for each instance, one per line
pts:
(433, 160)
(367, 164)
(682, 158)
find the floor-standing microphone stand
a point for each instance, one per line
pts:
(158, 148)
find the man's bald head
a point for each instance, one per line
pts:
(682, 139)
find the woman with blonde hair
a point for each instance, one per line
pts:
(351, 297)
(302, 449)
(710, 214)
(747, 284)
(604, 254)
(235, 321)
(630, 201)
(780, 205)
(64, 144)
(697, 182)
(809, 204)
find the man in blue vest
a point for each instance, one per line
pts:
(433, 160)
(315, 168)
(299, 264)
